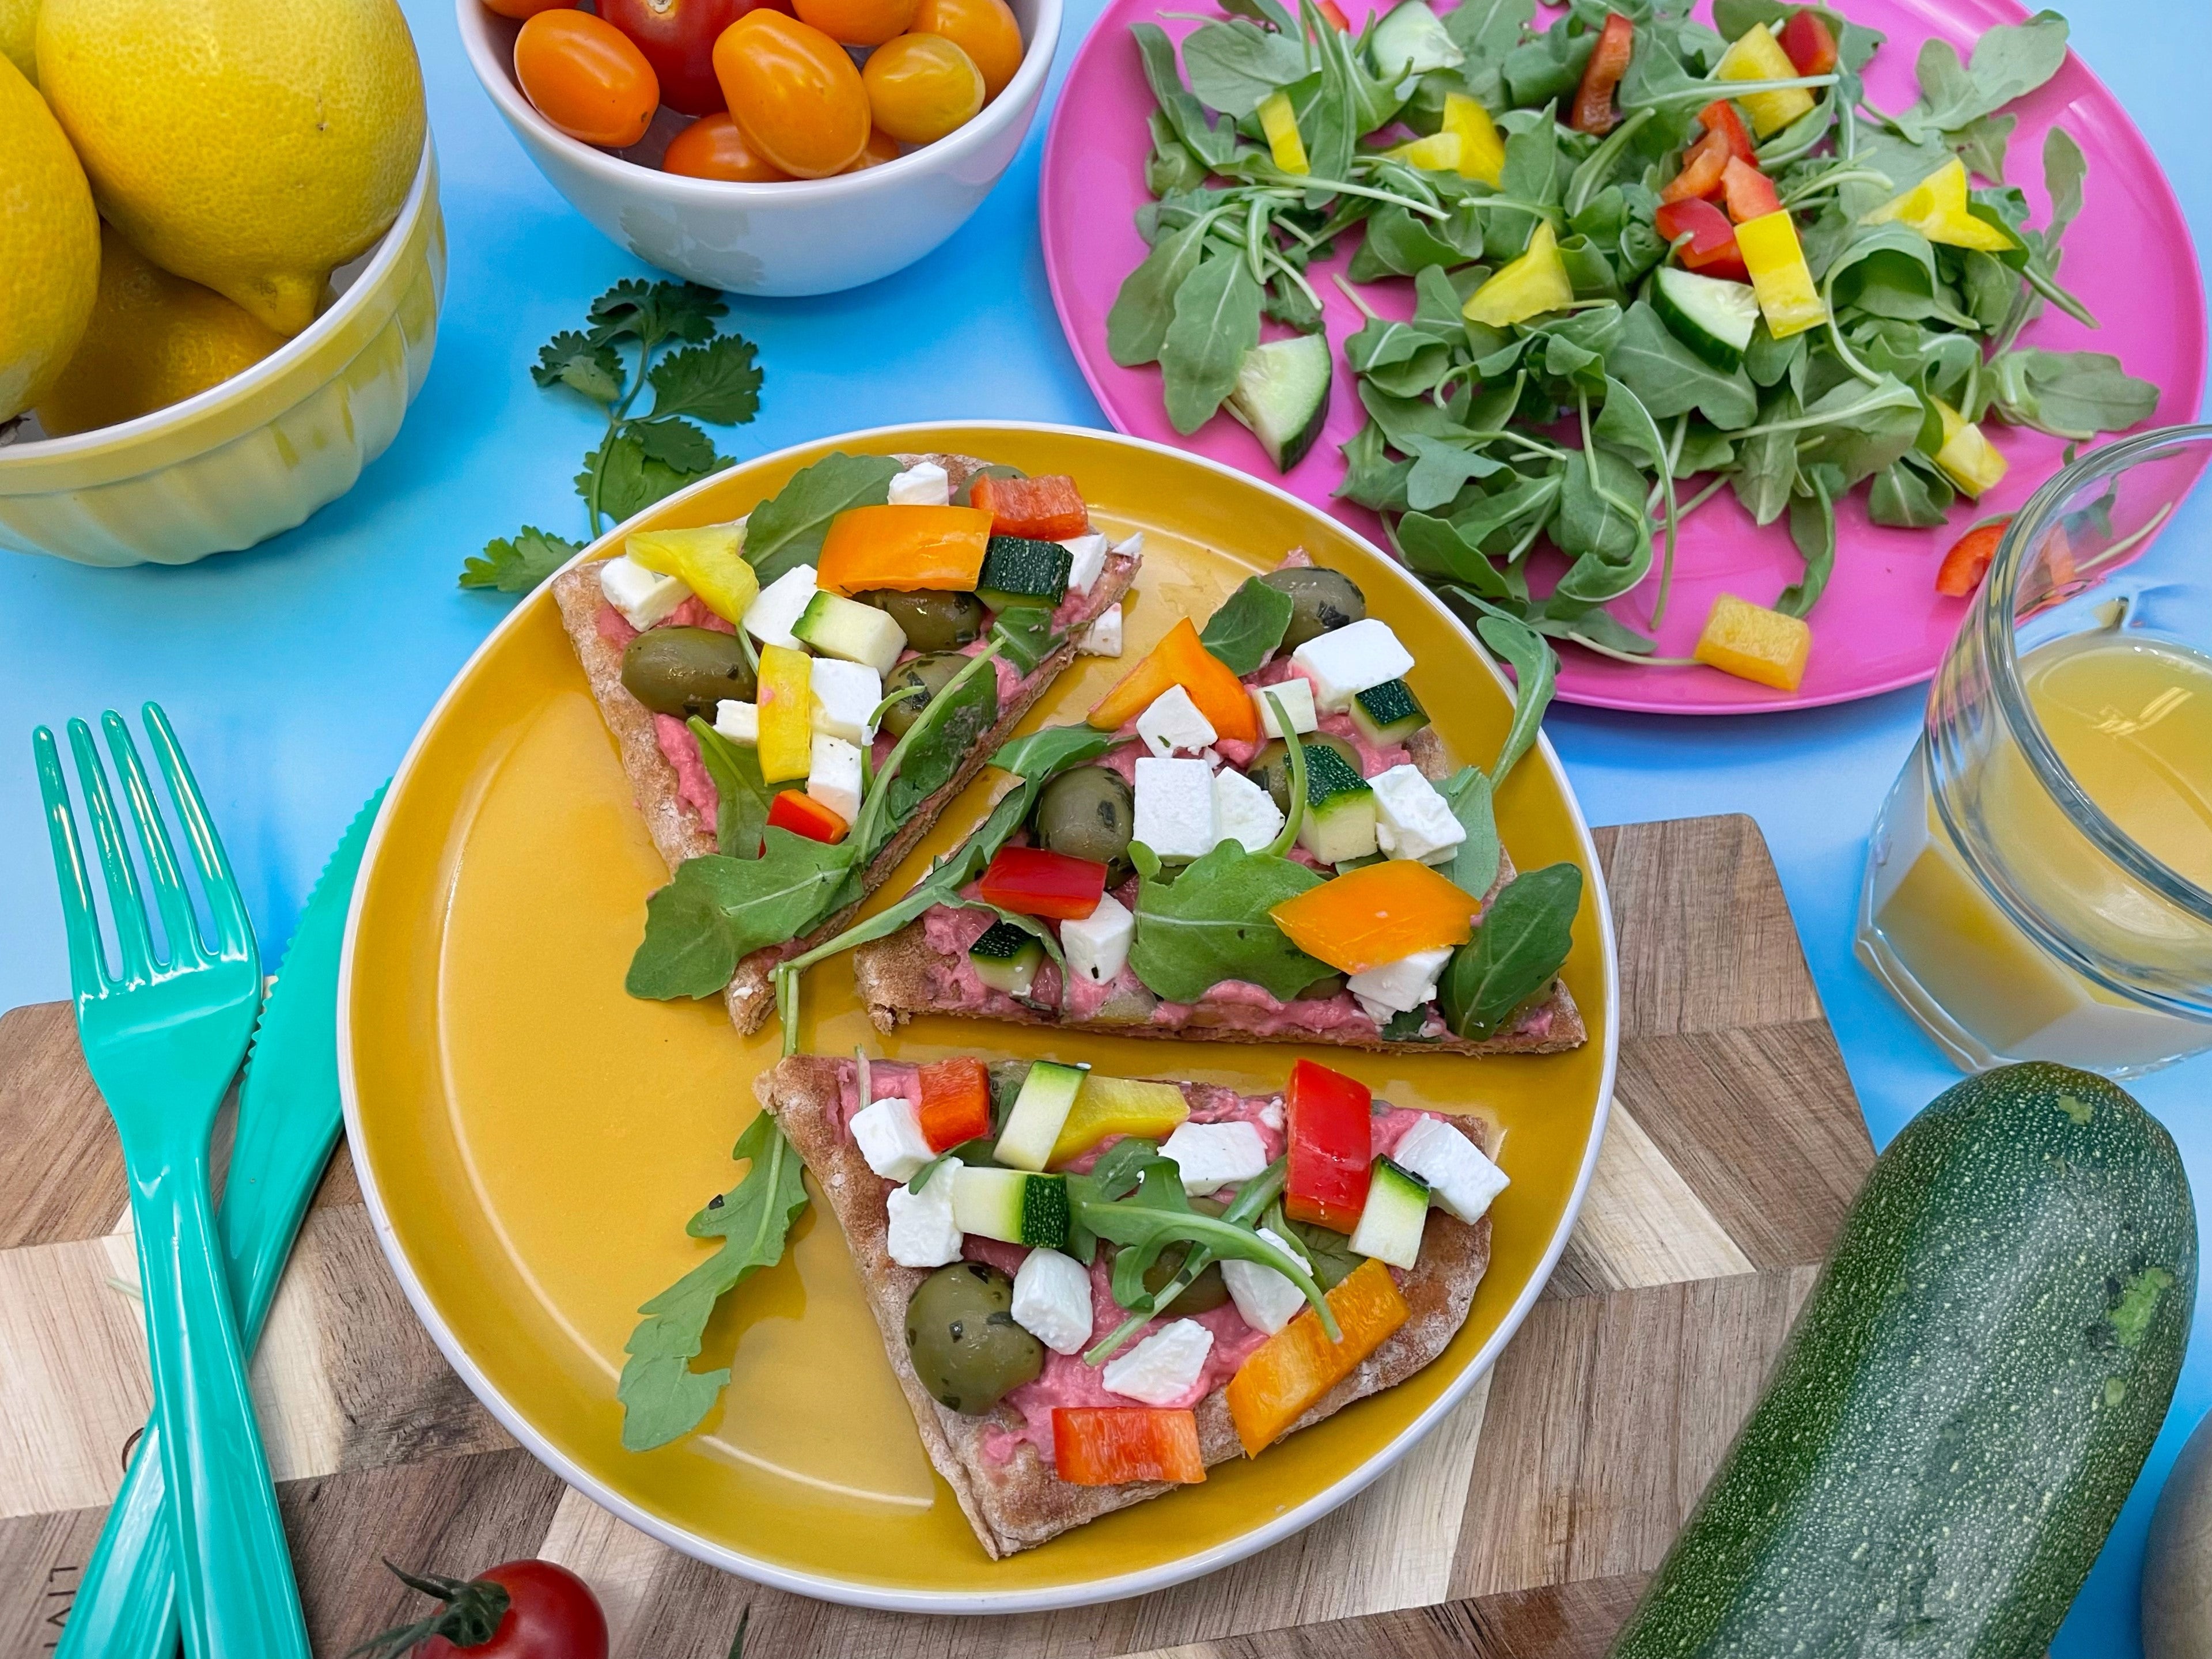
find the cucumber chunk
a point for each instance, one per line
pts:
(1040, 1113)
(1282, 394)
(1341, 829)
(1713, 318)
(1018, 570)
(1397, 1208)
(845, 629)
(1012, 1206)
(1387, 714)
(1007, 957)
(1411, 40)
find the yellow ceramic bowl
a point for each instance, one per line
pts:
(252, 457)
(531, 1140)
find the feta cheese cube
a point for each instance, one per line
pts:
(922, 484)
(1265, 1299)
(1104, 637)
(889, 1135)
(1245, 813)
(1175, 809)
(644, 597)
(738, 721)
(1272, 1113)
(1052, 1300)
(1349, 659)
(845, 696)
(834, 777)
(1402, 985)
(1297, 695)
(769, 617)
(1173, 722)
(1164, 1368)
(1212, 1156)
(923, 1233)
(1097, 944)
(1413, 820)
(1088, 556)
(1460, 1178)
(1131, 546)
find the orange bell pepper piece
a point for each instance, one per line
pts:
(1110, 1445)
(1180, 660)
(1296, 1366)
(1048, 509)
(1378, 914)
(955, 1103)
(908, 548)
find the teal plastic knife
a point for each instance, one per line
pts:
(289, 1116)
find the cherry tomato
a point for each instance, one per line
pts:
(984, 29)
(714, 147)
(795, 92)
(922, 87)
(857, 23)
(543, 1611)
(523, 8)
(678, 38)
(586, 77)
(881, 148)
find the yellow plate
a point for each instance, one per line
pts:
(531, 1140)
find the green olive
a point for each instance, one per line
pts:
(1208, 1289)
(1323, 988)
(964, 495)
(1320, 600)
(686, 670)
(1087, 812)
(961, 1335)
(1270, 767)
(931, 621)
(932, 673)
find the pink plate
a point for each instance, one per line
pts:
(1880, 624)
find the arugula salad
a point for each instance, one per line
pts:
(1649, 261)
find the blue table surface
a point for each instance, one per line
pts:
(297, 673)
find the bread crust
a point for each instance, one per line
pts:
(676, 832)
(1020, 1503)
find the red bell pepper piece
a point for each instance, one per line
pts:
(1811, 45)
(1048, 509)
(1751, 193)
(1337, 21)
(1332, 1147)
(803, 814)
(1968, 561)
(955, 1106)
(1110, 1445)
(1711, 249)
(1033, 881)
(1608, 61)
(1720, 117)
(1703, 168)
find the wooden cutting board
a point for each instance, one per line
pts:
(1524, 1526)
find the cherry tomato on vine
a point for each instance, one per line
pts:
(523, 8)
(678, 38)
(714, 147)
(922, 87)
(795, 92)
(857, 22)
(881, 148)
(984, 29)
(586, 77)
(517, 1610)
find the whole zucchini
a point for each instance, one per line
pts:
(1967, 1397)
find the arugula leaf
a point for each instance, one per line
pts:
(720, 910)
(1328, 1254)
(1813, 528)
(1474, 862)
(2010, 61)
(1909, 498)
(1487, 31)
(1250, 623)
(1044, 754)
(1671, 379)
(1520, 944)
(662, 1397)
(1137, 323)
(1216, 321)
(517, 566)
(1535, 676)
(741, 814)
(1234, 65)
(935, 747)
(718, 382)
(653, 312)
(1862, 430)
(2069, 394)
(785, 530)
(1210, 924)
(590, 366)
(1026, 632)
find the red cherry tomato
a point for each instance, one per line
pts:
(678, 38)
(922, 87)
(881, 148)
(857, 22)
(524, 8)
(795, 92)
(551, 1614)
(586, 77)
(984, 29)
(714, 147)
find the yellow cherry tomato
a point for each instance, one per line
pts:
(922, 87)
(586, 77)
(793, 92)
(882, 148)
(714, 147)
(984, 29)
(857, 22)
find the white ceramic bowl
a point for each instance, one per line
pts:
(806, 236)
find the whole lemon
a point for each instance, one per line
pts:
(19, 23)
(249, 145)
(49, 246)
(153, 340)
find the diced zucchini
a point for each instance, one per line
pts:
(1328, 773)
(843, 628)
(1040, 1109)
(1282, 394)
(1012, 1206)
(1387, 714)
(1411, 40)
(1006, 958)
(1714, 319)
(1020, 571)
(1342, 828)
(1390, 1224)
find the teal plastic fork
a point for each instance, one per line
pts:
(163, 1039)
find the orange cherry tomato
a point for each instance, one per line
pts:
(984, 29)
(524, 8)
(882, 148)
(586, 77)
(857, 22)
(795, 92)
(714, 147)
(922, 87)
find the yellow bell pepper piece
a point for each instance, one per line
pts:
(1527, 287)
(1481, 149)
(1439, 152)
(1754, 643)
(1779, 276)
(1117, 1106)
(787, 713)
(1756, 55)
(1968, 458)
(1280, 122)
(706, 561)
(1936, 208)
